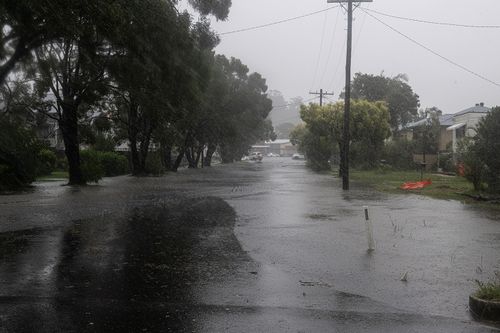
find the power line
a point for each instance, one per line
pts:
(277, 22)
(320, 51)
(432, 51)
(330, 50)
(296, 103)
(435, 22)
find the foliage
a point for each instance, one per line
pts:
(92, 169)
(369, 128)
(284, 111)
(474, 168)
(489, 291)
(19, 151)
(283, 130)
(401, 101)
(113, 164)
(46, 162)
(398, 154)
(426, 135)
(446, 162)
(487, 147)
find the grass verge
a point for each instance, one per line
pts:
(443, 186)
(54, 176)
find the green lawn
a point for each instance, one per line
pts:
(443, 186)
(54, 176)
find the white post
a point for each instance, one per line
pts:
(369, 230)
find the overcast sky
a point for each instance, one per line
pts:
(309, 53)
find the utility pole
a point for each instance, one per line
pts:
(344, 157)
(321, 94)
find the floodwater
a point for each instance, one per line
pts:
(250, 247)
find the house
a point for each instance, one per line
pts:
(465, 123)
(453, 127)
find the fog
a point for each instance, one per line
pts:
(308, 54)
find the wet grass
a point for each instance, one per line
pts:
(54, 176)
(443, 186)
(489, 291)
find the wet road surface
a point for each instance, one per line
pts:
(254, 247)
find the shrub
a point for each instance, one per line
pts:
(487, 143)
(489, 290)
(46, 162)
(19, 150)
(62, 163)
(113, 164)
(474, 168)
(399, 154)
(91, 166)
(446, 162)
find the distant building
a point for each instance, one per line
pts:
(282, 147)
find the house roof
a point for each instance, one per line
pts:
(444, 120)
(479, 108)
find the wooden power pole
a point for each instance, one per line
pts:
(321, 94)
(344, 157)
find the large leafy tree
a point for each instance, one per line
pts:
(323, 132)
(401, 101)
(73, 71)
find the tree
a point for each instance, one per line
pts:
(401, 101)
(487, 145)
(283, 130)
(370, 127)
(426, 135)
(468, 153)
(72, 69)
(284, 111)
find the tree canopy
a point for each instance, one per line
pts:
(401, 101)
(321, 137)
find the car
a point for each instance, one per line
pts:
(273, 155)
(298, 157)
(255, 156)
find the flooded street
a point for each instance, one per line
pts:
(250, 247)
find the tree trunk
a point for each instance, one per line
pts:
(199, 154)
(178, 160)
(208, 158)
(144, 146)
(191, 158)
(69, 129)
(166, 156)
(133, 132)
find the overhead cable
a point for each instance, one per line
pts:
(296, 103)
(432, 51)
(461, 25)
(277, 22)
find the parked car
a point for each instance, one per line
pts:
(255, 156)
(298, 157)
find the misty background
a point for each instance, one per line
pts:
(308, 54)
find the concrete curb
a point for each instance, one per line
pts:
(484, 310)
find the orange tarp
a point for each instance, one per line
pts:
(416, 185)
